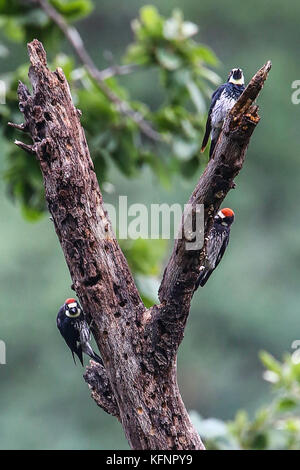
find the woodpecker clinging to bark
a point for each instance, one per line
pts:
(75, 330)
(216, 245)
(223, 99)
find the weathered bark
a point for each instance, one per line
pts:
(138, 384)
(98, 382)
(181, 273)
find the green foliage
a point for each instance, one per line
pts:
(144, 258)
(73, 9)
(182, 63)
(163, 43)
(23, 21)
(114, 139)
(145, 255)
(276, 426)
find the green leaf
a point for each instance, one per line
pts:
(261, 417)
(144, 255)
(137, 54)
(204, 54)
(13, 30)
(286, 404)
(292, 425)
(151, 20)
(31, 214)
(168, 59)
(12, 7)
(73, 9)
(259, 442)
(270, 362)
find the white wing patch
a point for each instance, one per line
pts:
(221, 108)
(84, 332)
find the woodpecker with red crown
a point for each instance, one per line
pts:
(75, 330)
(223, 99)
(216, 245)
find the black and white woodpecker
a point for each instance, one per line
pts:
(222, 100)
(75, 330)
(216, 245)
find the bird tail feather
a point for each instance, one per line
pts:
(86, 347)
(96, 358)
(206, 137)
(202, 279)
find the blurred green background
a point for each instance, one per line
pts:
(251, 302)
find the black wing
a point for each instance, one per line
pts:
(203, 278)
(207, 131)
(215, 96)
(70, 335)
(222, 250)
(58, 318)
(206, 273)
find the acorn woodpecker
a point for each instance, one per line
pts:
(216, 245)
(75, 330)
(223, 99)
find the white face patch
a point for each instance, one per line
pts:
(70, 315)
(240, 81)
(73, 315)
(220, 214)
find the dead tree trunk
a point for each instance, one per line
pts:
(138, 384)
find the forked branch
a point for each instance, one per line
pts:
(138, 382)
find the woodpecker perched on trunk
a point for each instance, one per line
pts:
(216, 245)
(75, 330)
(223, 99)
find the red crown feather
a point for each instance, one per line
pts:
(227, 212)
